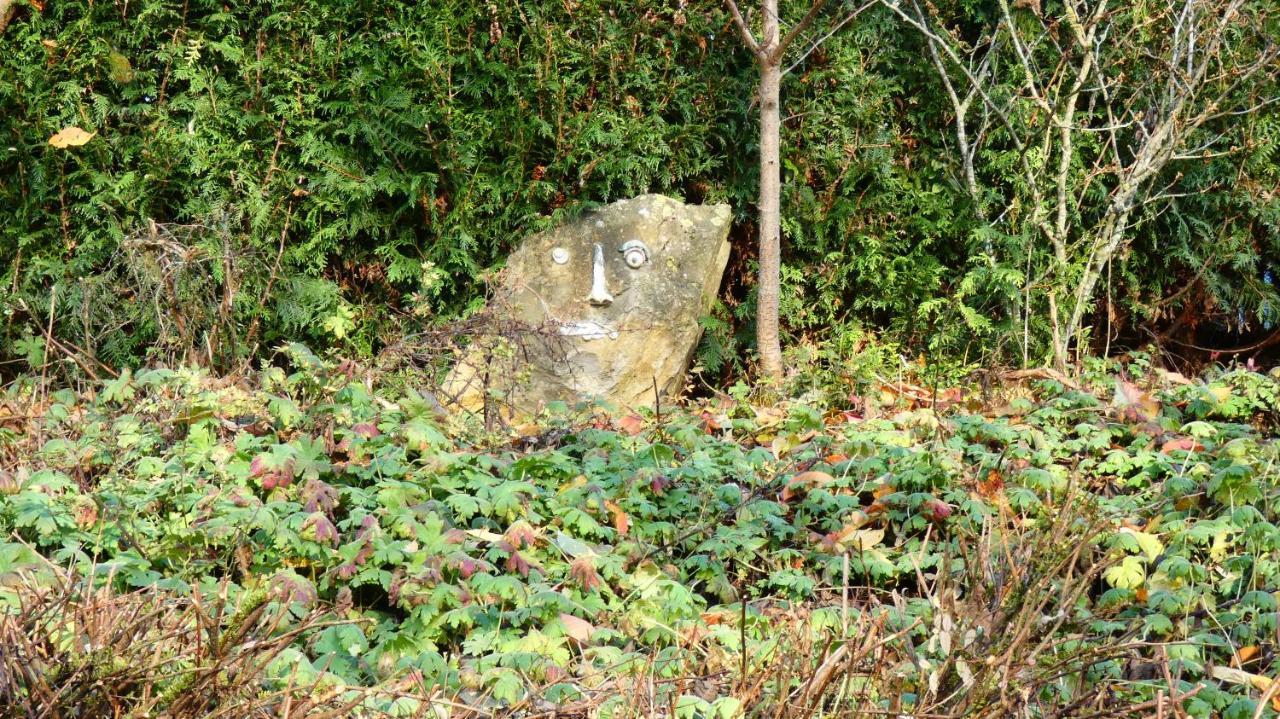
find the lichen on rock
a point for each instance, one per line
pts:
(612, 301)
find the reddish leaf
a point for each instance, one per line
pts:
(365, 430)
(1182, 444)
(936, 510)
(583, 571)
(521, 534)
(258, 466)
(632, 424)
(517, 563)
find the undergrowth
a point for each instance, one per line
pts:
(1103, 551)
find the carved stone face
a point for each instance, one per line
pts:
(623, 288)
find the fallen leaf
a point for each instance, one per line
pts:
(486, 535)
(1133, 404)
(621, 521)
(768, 416)
(1239, 676)
(576, 628)
(1181, 444)
(992, 485)
(856, 540)
(804, 482)
(631, 424)
(70, 136)
(714, 617)
(1244, 654)
(1171, 377)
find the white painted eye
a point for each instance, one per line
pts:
(560, 255)
(634, 253)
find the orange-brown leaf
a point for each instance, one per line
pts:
(621, 521)
(1244, 654)
(992, 485)
(804, 482)
(1133, 404)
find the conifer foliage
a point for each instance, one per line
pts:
(198, 181)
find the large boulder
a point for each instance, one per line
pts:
(610, 304)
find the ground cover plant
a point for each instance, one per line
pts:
(1101, 550)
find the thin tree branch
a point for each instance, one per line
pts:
(743, 30)
(836, 28)
(800, 27)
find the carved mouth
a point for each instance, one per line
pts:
(588, 330)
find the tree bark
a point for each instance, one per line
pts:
(769, 285)
(769, 51)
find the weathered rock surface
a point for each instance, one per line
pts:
(616, 297)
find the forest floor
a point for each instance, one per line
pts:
(306, 543)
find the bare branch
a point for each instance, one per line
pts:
(743, 30)
(800, 27)
(954, 57)
(836, 28)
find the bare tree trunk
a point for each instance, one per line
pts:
(769, 52)
(769, 288)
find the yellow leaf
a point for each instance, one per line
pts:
(1221, 543)
(1244, 654)
(859, 539)
(70, 136)
(1239, 676)
(782, 444)
(805, 481)
(768, 416)
(485, 535)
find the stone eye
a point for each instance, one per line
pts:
(634, 253)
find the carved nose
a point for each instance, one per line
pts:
(599, 296)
